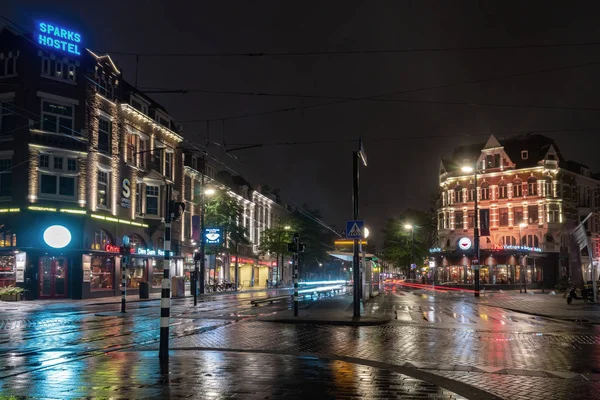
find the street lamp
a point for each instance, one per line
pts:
(205, 192)
(468, 169)
(412, 246)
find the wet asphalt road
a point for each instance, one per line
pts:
(221, 349)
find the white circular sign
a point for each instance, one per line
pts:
(57, 236)
(464, 243)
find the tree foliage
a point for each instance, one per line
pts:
(397, 243)
(222, 210)
(275, 240)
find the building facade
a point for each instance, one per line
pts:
(534, 198)
(85, 161)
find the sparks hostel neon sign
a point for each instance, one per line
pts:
(56, 37)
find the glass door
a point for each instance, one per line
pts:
(53, 277)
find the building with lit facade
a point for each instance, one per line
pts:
(85, 161)
(534, 197)
(259, 211)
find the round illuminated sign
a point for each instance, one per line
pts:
(57, 236)
(464, 243)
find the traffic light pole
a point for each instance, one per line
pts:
(356, 263)
(202, 243)
(295, 255)
(165, 298)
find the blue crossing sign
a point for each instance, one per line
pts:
(355, 229)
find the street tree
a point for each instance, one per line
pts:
(274, 241)
(398, 245)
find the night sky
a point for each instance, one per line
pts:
(402, 172)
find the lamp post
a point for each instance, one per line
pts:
(204, 193)
(412, 247)
(475, 263)
(523, 279)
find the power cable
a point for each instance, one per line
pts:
(440, 86)
(357, 52)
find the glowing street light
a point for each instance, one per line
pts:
(287, 227)
(408, 226)
(210, 191)
(366, 232)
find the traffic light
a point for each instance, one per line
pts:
(177, 209)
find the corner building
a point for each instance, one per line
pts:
(534, 197)
(83, 150)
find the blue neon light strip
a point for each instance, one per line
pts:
(319, 289)
(321, 283)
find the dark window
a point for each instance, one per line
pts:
(7, 114)
(5, 176)
(188, 188)
(458, 194)
(458, 220)
(58, 163)
(104, 133)
(532, 213)
(471, 219)
(44, 161)
(502, 190)
(517, 188)
(485, 191)
(67, 186)
(532, 186)
(553, 213)
(103, 188)
(152, 200)
(471, 192)
(518, 215)
(503, 213)
(48, 184)
(72, 164)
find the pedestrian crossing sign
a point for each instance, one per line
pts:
(354, 229)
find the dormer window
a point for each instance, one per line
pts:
(524, 154)
(139, 105)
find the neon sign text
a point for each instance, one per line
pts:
(53, 36)
(518, 248)
(149, 252)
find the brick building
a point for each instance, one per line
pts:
(535, 198)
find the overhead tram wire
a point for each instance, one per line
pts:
(434, 102)
(433, 87)
(357, 52)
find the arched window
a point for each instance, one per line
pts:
(136, 241)
(471, 192)
(458, 194)
(508, 240)
(530, 241)
(485, 191)
(101, 239)
(532, 186)
(517, 188)
(502, 190)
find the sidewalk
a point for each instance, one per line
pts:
(335, 310)
(542, 304)
(61, 303)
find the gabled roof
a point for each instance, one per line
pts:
(107, 58)
(537, 147)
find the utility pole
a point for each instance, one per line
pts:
(356, 259)
(476, 239)
(124, 261)
(296, 247)
(165, 298)
(202, 241)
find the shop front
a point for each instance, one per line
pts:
(246, 269)
(502, 266)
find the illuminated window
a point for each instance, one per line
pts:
(104, 134)
(152, 196)
(103, 188)
(57, 118)
(132, 152)
(101, 239)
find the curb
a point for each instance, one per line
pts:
(550, 316)
(326, 322)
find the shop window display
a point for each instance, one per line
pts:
(136, 272)
(103, 273)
